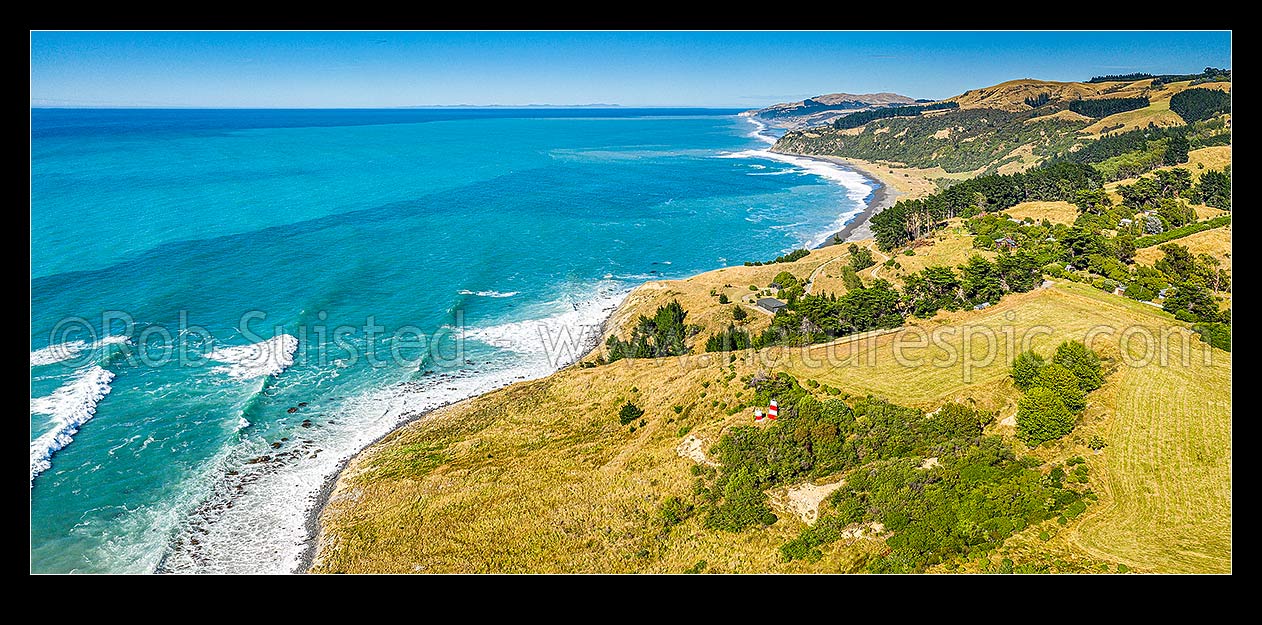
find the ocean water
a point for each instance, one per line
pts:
(226, 304)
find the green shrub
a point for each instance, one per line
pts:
(1216, 334)
(1097, 443)
(1082, 362)
(723, 298)
(629, 413)
(1025, 368)
(1042, 417)
(1064, 384)
(1137, 291)
(860, 257)
(674, 511)
(744, 505)
(809, 408)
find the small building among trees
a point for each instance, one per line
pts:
(771, 304)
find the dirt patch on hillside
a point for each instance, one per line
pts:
(804, 499)
(692, 449)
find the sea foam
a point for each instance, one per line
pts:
(71, 405)
(558, 339)
(858, 187)
(488, 293)
(269, 357)
(65, 351)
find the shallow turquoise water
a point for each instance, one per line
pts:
(484, 227)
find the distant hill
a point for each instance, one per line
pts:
(1011, 126)
(824, 109)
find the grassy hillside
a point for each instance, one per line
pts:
(543, 476)
(1055, 212)
(1215, 242)
(704, 309)
(1005, 128)
(452, 492)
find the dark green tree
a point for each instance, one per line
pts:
(979, 280)
(1124, 246)
(1215, 188)
(1042, 417)
(1176, 150)
(1025, 368)
(1057, 379)
(629, 413)
(860, 257)
(1195, 105)
(1082, 362)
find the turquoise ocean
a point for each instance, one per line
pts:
(227, 304)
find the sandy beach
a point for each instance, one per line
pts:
(882, 198)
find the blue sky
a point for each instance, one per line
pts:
(723, 69)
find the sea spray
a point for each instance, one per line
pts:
(269, 357)
(70, 406)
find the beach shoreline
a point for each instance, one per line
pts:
(331, 482)
(882, 197)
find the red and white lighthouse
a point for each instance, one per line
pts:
(773, 410)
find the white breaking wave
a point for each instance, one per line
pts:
(65, 351)
(858, 187)
(255, 519)
(269, 357)
(559, 339)
(71, 405)
(757, 132)
(57, 353)
(488, 293)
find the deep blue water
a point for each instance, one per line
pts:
(476, 229)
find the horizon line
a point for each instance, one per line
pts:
(380, 108)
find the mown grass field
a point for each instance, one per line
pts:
(1165, 478)
(1056, 212)
(540, 476)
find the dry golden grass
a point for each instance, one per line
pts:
(1213, 157)
(951, 247)
(539, 477)
(1011, 95)
(1063, 115)
(1026, 155)
(1207, 212)
(1199, 161)
(1165, 478)
(1216, 243)
(1056, 212)
(705, 310)
(1158, 112)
